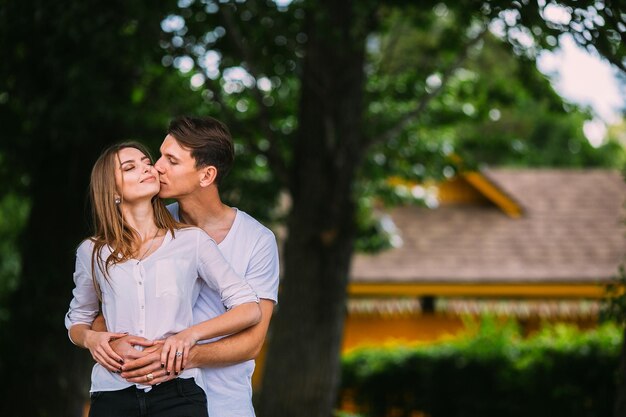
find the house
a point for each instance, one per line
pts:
(528, 244)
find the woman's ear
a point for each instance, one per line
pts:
(208, 176)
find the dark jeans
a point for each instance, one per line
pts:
(176, 398)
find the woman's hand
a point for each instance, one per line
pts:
(176, 351)
(125, 346)
(101, 351)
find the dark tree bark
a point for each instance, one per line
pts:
(302, 378)
(40, 361)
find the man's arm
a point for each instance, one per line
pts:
(235, 348)
(262, 273)
(230, 350)
(99, 324)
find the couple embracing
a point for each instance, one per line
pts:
(172, 302)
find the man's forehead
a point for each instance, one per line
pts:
(170, 146)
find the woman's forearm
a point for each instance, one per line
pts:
(79, 333)
(234, 320)
(98, 345)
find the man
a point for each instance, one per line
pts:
(195, 157)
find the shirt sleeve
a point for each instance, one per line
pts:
(220, 276)
(85, 305)
(264, 269)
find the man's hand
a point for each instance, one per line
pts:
(136, 371)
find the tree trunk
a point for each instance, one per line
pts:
(620, 385)
(302, 376)
(41, 361)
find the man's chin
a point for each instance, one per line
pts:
(165, 194)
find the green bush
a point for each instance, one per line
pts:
(560, 371)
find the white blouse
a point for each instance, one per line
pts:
(153, 297)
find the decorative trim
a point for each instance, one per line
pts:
(494, 194)
(539, 290)
(390, 308)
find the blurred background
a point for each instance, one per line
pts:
(444, 178)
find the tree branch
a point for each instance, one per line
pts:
(426, 99)
(277, 163)
(389, 51)
(601, 44)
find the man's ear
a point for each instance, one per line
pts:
(208, 175)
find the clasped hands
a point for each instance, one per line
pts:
(159, 361)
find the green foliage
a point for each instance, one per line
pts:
(13, 214)
(247, 58)
(495, 108)
(492, 372)
(244, 56)
(614, 307)
(372, 235)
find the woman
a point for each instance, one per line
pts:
(142, 267)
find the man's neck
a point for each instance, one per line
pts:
(209, 214)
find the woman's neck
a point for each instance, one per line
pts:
(141, 218)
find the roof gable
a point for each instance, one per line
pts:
(570, 229)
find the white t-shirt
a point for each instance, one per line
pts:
(154, 297)
(252, 252)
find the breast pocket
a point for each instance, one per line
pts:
(170, 276)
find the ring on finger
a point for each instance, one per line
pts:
(149, 377)
(179, 354)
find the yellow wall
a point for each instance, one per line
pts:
(377, 331)
(425, 328)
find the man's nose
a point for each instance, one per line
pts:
(159, 166)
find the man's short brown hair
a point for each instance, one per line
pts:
(209, 141)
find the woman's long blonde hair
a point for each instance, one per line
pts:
(110, 229)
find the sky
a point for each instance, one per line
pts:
(583, 78)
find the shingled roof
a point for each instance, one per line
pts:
(571, 230)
